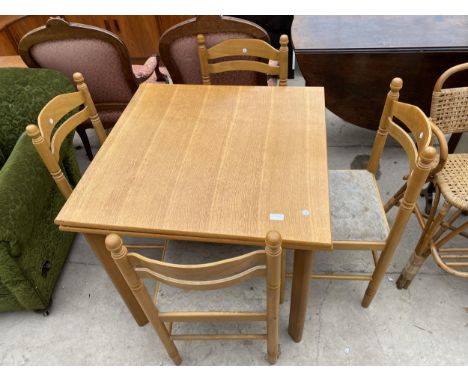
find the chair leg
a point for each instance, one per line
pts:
(412, 267)
(84, 138)
(422, 251)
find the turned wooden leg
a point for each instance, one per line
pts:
(303, 261)
(422, 251)
(97, 243)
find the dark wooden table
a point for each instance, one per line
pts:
(355, 58)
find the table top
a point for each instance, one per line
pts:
(211, 163)
(375, 33)
(12, 62)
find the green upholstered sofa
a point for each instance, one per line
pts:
(32, 249)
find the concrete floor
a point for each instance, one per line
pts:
(424, 325)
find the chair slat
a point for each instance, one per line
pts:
(397, 133)
(193, 272)
(243, 47)
(416, 121)
(66, 128)
(259, 270)
(55, 110)
(229, 66)
(212, 316)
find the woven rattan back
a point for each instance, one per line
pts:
(48, 139)
(449, 107)
(216, 275)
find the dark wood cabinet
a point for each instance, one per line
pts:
(139, 33)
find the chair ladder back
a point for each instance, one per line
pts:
(247, 48)
(55, 110)
(48, 146)
(199, 272)
(416, 121)
(259, 270)
(419, 125)
(119, 254)
(264, 262)
(382, 132)
(241, 47)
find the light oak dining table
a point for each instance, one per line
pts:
(221, 164)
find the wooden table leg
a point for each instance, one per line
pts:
(303, 261)
(97, 244)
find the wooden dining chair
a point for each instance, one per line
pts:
(449, 113)
(358, 217)
(204, 277)
(179, 49)
(242, 55)
(48, 138)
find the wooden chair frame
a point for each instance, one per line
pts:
(48, 140)
(205, 25)
(215, 275)
(421, 156)
(439, 227)
(243, 48)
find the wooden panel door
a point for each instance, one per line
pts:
(22, 26)
(165, 22)
(7, 48)
(139, 33)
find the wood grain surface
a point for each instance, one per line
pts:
(211, 162)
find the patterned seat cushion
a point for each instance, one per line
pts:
(357, 212)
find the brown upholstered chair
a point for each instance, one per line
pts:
(179, 50)
(99, 54)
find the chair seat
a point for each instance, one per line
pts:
(453, 180)
(357, 212)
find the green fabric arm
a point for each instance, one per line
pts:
(25, 185)
(15, 281)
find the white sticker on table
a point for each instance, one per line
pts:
(276, 216)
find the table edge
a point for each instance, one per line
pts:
(209, 238)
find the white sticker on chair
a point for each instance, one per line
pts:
(276, 216)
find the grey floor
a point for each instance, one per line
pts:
(424, 325)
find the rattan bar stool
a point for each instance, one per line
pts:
(449, 111)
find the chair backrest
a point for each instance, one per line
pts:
(97, 53)
(48, 139)
(215, 275)
(417, 146)
(415, 143)
(449, 107)
(179, 51)
(239, 53)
